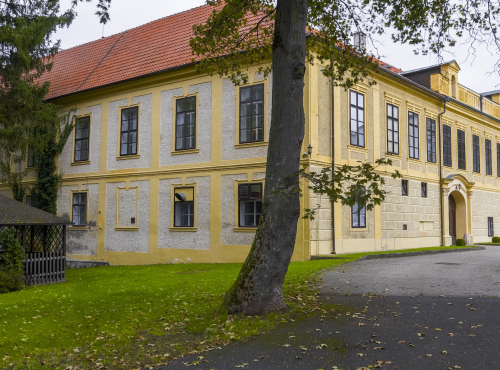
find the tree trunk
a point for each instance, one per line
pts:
(258, 288)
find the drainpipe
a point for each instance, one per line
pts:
(441, 172)
(333, 167)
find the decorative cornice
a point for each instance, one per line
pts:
(488, 136)
(392, 99)
(447, 121)
(431, 113)
(361, 88)
(413, 107)
(461, 126)
(476, 131)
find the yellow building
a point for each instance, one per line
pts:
(163, 166)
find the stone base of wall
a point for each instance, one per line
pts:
(78, 264)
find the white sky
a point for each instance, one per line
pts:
(126, 14)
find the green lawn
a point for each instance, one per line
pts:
(124, 317)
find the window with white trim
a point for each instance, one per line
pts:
(413, 135)
(392, 129)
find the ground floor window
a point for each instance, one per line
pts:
(184, 207)
(79, 209)
(249, 204)
(491, 231)
(423, 187)
(358, 216)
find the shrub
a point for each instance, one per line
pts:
(11, 270)
(495, 239)
(460, 243)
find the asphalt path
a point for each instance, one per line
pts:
(439, 311)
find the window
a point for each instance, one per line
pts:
(129, 131)
(29, 200)
(249, 204)
(82, 129)
(357, 118)
(423, 189)
(487, 149)
(404, 187)
(476, 155)
(413, 135)
(358, 217)
(498, 159)
(33, 158)
(447, 145)
(184, 207)
(185, 123)
(252, 113)
(431, 140)
(461, 149)
(79, 209)
(491, 231)
(392, 129)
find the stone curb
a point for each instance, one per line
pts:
(78, 264)
(421, 253)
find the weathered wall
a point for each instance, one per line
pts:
(169, 237)
(80, 241)
(134, 239)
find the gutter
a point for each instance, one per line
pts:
(332, 202)
(441, 172)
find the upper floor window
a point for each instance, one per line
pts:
(392, 129)
(461, 149)
(33, 157)
(475, 154)
(79, 211)
(413, 136)
(82, 130)
(185, 123)
(447, 145)
(129, 131)
(431, 140)
(252, 113)
(357, 103)
(184, 207)
(249, 204)
(487, 149)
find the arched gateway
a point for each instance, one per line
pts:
(457, 209)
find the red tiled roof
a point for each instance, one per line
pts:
(152, 47)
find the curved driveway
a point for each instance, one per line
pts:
(452, 274)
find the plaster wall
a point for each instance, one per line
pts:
(485, 204)
(230, 122)
(132, 240)
(145, 123)
(204, 127)
(325, 115)
(169, 237)
(82, 242)
(65, 159)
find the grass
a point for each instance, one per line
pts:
(125, 317)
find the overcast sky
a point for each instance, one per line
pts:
(126, 14)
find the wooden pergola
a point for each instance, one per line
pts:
(43, 237)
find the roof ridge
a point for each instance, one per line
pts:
(133, 28)
(98, 64)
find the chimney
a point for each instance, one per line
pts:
(359, 42)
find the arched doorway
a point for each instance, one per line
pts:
(457, 216)
(452, 207)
